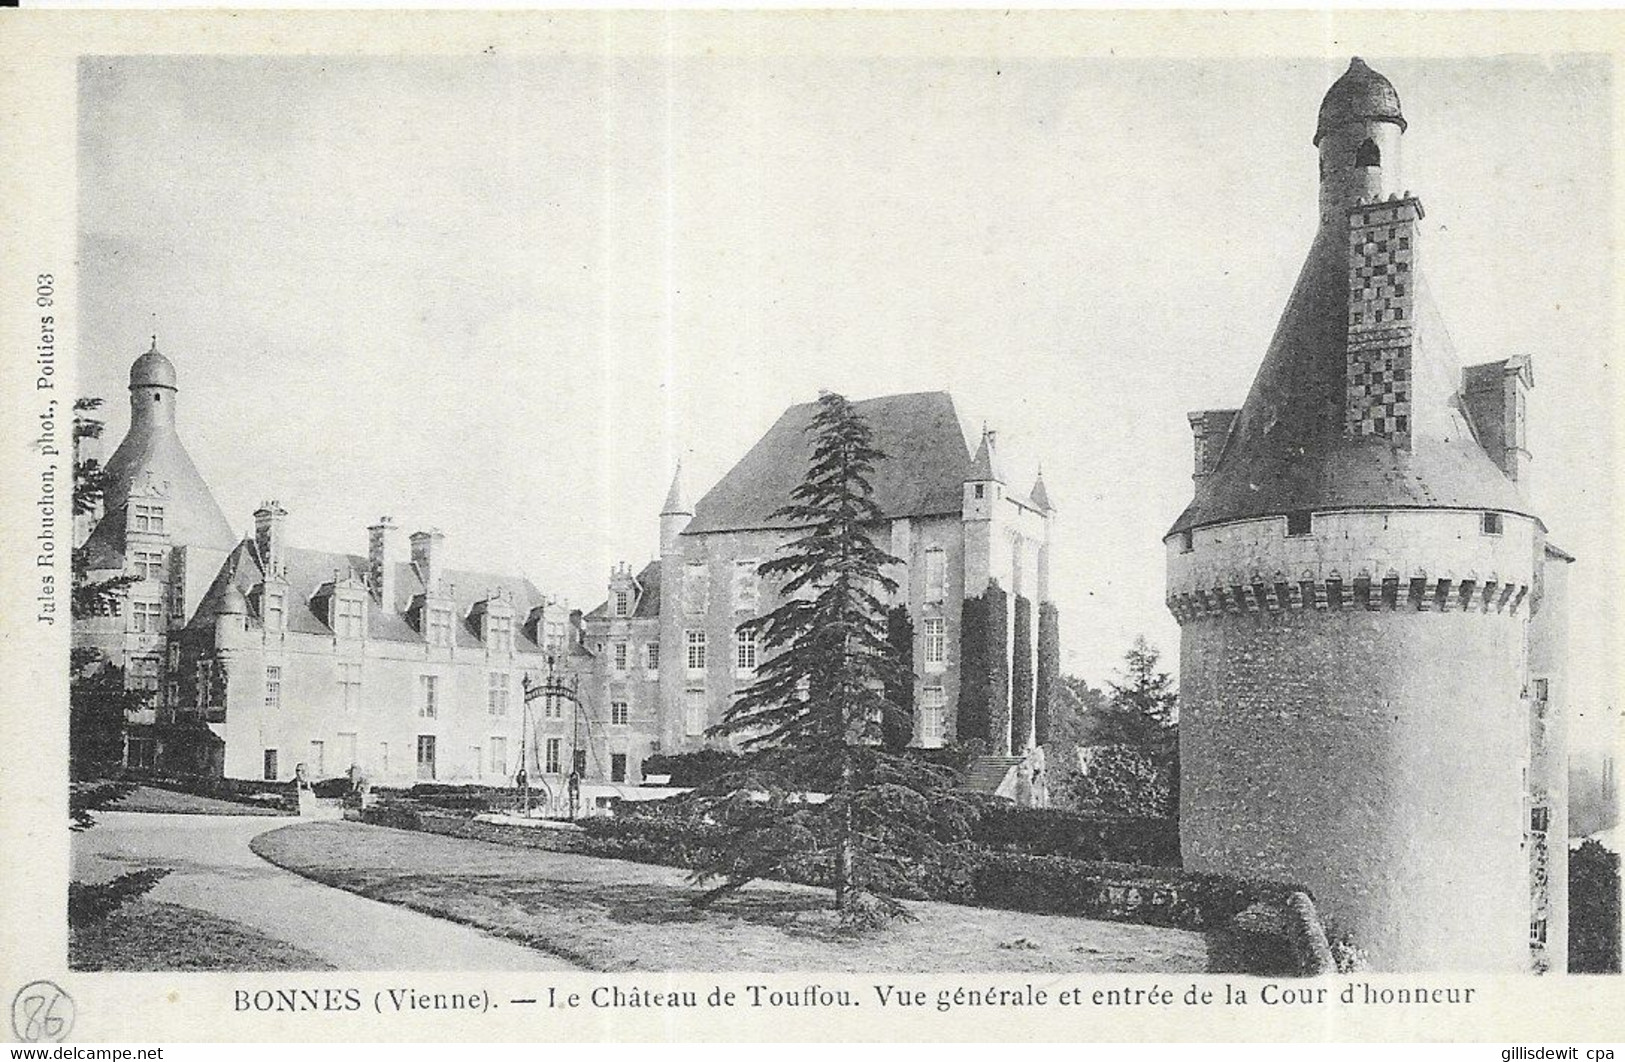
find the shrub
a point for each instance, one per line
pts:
(89, 904)
(690, 769)
(1593, 909)
(1122, 780)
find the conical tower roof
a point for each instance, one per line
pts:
(152, 463)
(1040, 493)
(1288, 448)
(985, 467)
(676, 503)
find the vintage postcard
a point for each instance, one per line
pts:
(918, 525)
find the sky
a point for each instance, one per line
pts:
(504, 296)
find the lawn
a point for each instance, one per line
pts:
(170, 802)
(606, 914)
(148, 935)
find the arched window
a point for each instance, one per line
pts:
(1368, 154)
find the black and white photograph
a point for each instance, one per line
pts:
(627, 517)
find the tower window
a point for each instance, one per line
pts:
(1368, 154)
(1187, 541)
(1491, 523)
(1298, 522)
(981, 491)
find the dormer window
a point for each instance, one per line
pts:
(623, 603)
(499, 633)
(273, 609)
(554, 640)
(147, 518)
(349, 617)
(437, 627)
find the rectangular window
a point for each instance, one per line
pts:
(551, 761)
(745, 652)
(203, 684)
(142, 673)
(580, 764)
(270, 765)
(499, 633)
(1540, 820)
(617, 766)
(147, 518)
(147, 564)
(694, 712)
(980, 490)
(936, 575)
(440, 626)
(1537, 931)
(273, 688)
(936, 642)
(651, 656)
(476, 761)
(1298, 522)
(349, 611)
(747, 586)
(274, 610)
(350, 685)
(554, 643)
(620, 656)
(933, 706)
(696, 589)
(499, 756)
(623, 603)
(695, 642)
(146, 617)
(317, 767)
(428, 696)
(1491, 523)
(427, 755)
(618, 713)
(497, 693)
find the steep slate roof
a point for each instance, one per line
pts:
(923, 473)
(309, 570)
(151, 455)
(1287, 449)
(648, 606)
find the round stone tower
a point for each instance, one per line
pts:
(1355, 580)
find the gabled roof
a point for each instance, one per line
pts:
(648, 604)
(308, 571)
(923, 473)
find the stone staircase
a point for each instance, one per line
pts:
(993, 774)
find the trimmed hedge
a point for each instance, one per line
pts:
(1255, 927)
(1092, 838)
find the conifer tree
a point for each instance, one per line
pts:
(818, 795)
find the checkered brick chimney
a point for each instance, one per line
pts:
(1382, 320)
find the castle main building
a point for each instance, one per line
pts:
(1372, 618)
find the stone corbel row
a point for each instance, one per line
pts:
(1362, 593)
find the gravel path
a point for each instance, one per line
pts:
(213, 870)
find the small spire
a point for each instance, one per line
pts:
(1040, 494)
(676, 498)
(154, 348)
(984, 466)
